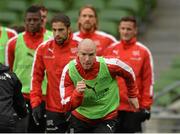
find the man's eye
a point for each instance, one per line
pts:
(43, 16)
(91, 16)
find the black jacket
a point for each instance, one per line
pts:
(11, 98)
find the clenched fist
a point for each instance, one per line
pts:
(81, 86)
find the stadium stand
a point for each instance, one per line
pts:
(137, 7)
(55, 5)
(98, 4)
(17, 6)
(109, 27)
(109, 11)
(8, 18)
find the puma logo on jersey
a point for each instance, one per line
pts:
(29, 54)
(50, 54)
(74, 50)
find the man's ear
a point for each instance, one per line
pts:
(69, 30)
(41, 20)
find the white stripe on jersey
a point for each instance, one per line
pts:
(152, 66)
(61, 86)
(111, 61)
(100, 33)
(114, 61)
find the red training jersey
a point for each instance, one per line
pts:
(70, 98)
(140, 59)
(51, 58)
(101, 39)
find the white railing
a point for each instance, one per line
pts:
(163, 120)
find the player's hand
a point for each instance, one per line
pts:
(37, 114)
(81, 86)
(134, 103)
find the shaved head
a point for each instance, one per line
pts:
(87, 53)
(87, 44)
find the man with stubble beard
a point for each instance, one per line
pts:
(88, 28)
(51, 57)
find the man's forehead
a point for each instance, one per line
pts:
(87, 50)
(87, 11)
(87, 44)
(58, 24)
(87, 53)
(33, 15)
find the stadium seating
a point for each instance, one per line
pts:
(98, 4)
(7, 18)
(74, 26)
(17, 6)
(169, 77)
(73, 14)
(137, 7)
(113, 14)
(109, 11)
(109, 27)
(54, 5)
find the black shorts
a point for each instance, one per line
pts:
(103, 126)
(128, 122)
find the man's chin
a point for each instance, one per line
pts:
(126, 38)
(33, 31)
(88, 27)
(87, 67)
(59, 42)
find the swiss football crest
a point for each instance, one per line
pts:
(136, 53)
(74, 50)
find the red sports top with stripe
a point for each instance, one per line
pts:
(70, 98)
(101, 39)
(51, 58)
(140, 59)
